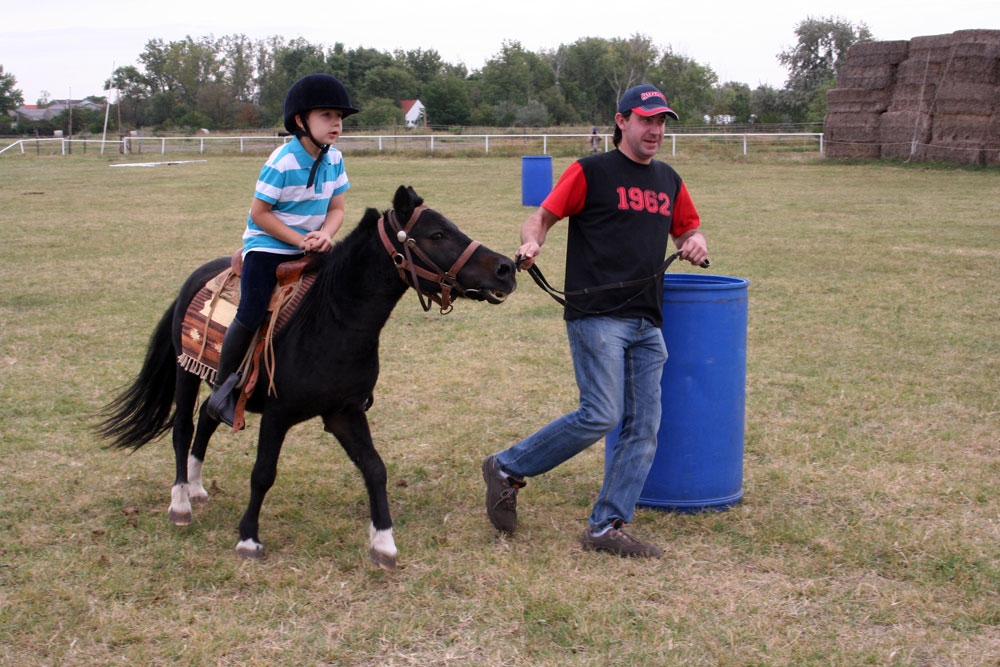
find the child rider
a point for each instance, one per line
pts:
(298, 207)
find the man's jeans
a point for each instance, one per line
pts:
(618, 365)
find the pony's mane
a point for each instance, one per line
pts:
(337, 271)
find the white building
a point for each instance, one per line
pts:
(413, 112)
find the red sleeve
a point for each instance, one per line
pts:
(685, 215)
(569, 194)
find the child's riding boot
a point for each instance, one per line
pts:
(222, 403)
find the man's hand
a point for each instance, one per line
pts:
(694, 249)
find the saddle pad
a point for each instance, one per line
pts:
(208, 316)
(213, 309)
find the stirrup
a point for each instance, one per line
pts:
(221, 404)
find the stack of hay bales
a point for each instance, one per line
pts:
(864, 93)
(932, 98)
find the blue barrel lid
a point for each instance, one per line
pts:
(699, 281)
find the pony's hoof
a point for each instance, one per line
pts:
(180, 518)
(198, 501)
(384, 561)
(250, 549)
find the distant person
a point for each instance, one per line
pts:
(623, 207)
(297, 207)
(595, 141)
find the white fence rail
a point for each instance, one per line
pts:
(432, 143)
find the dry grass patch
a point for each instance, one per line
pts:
(868, 533)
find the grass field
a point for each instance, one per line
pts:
(870, 528)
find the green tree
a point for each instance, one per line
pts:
(516, 76)
(288, 63)
(584, 80)
(163, 110)
(235, 82)
(391, 82)
(133, 95)
(816, 111)
(239, 59)
(558, 110)
(688, 85)
(215, 104)
(511, 80)
(733, 99)
(153, 60)
(338, 63)
(379, 112)
(10, 97)
(532, 114)
(628, 62)
(359, 61)
(425, 66)
(183, 68)
(767, 105)
(812, 63)
(447, 101)
(84, 121)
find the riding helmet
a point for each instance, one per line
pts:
(315, 91)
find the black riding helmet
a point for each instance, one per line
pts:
(315, 91)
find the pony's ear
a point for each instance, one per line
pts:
(405, 201)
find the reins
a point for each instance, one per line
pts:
(410, 272)
(560, 296)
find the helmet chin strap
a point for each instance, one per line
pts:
(323, 148)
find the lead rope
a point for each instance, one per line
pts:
(558, 296)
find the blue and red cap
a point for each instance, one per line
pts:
(645, 100)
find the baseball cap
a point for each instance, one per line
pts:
(645, 100)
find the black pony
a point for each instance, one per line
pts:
(325, 358)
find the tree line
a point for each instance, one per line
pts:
(234, 82)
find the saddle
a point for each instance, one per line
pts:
(212, 310)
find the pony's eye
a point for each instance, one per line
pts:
(437, 236)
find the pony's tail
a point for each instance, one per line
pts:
(144, 411)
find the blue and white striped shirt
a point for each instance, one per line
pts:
(282, 183)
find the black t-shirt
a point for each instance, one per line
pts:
(621, 216)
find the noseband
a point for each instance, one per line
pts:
(410, 272)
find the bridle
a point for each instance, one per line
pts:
(410, 271)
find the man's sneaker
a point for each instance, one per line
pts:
(617, 541)
(501, 496)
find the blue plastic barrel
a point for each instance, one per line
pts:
(699, 456)
(536, 179)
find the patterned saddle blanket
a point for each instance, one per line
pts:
(212, 311)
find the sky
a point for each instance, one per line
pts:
(69, 48)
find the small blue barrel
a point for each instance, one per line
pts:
(699, 456)
(536, 179)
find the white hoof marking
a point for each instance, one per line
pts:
(250, 549)
(196, 484)
(179, 513)
(382, 548)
